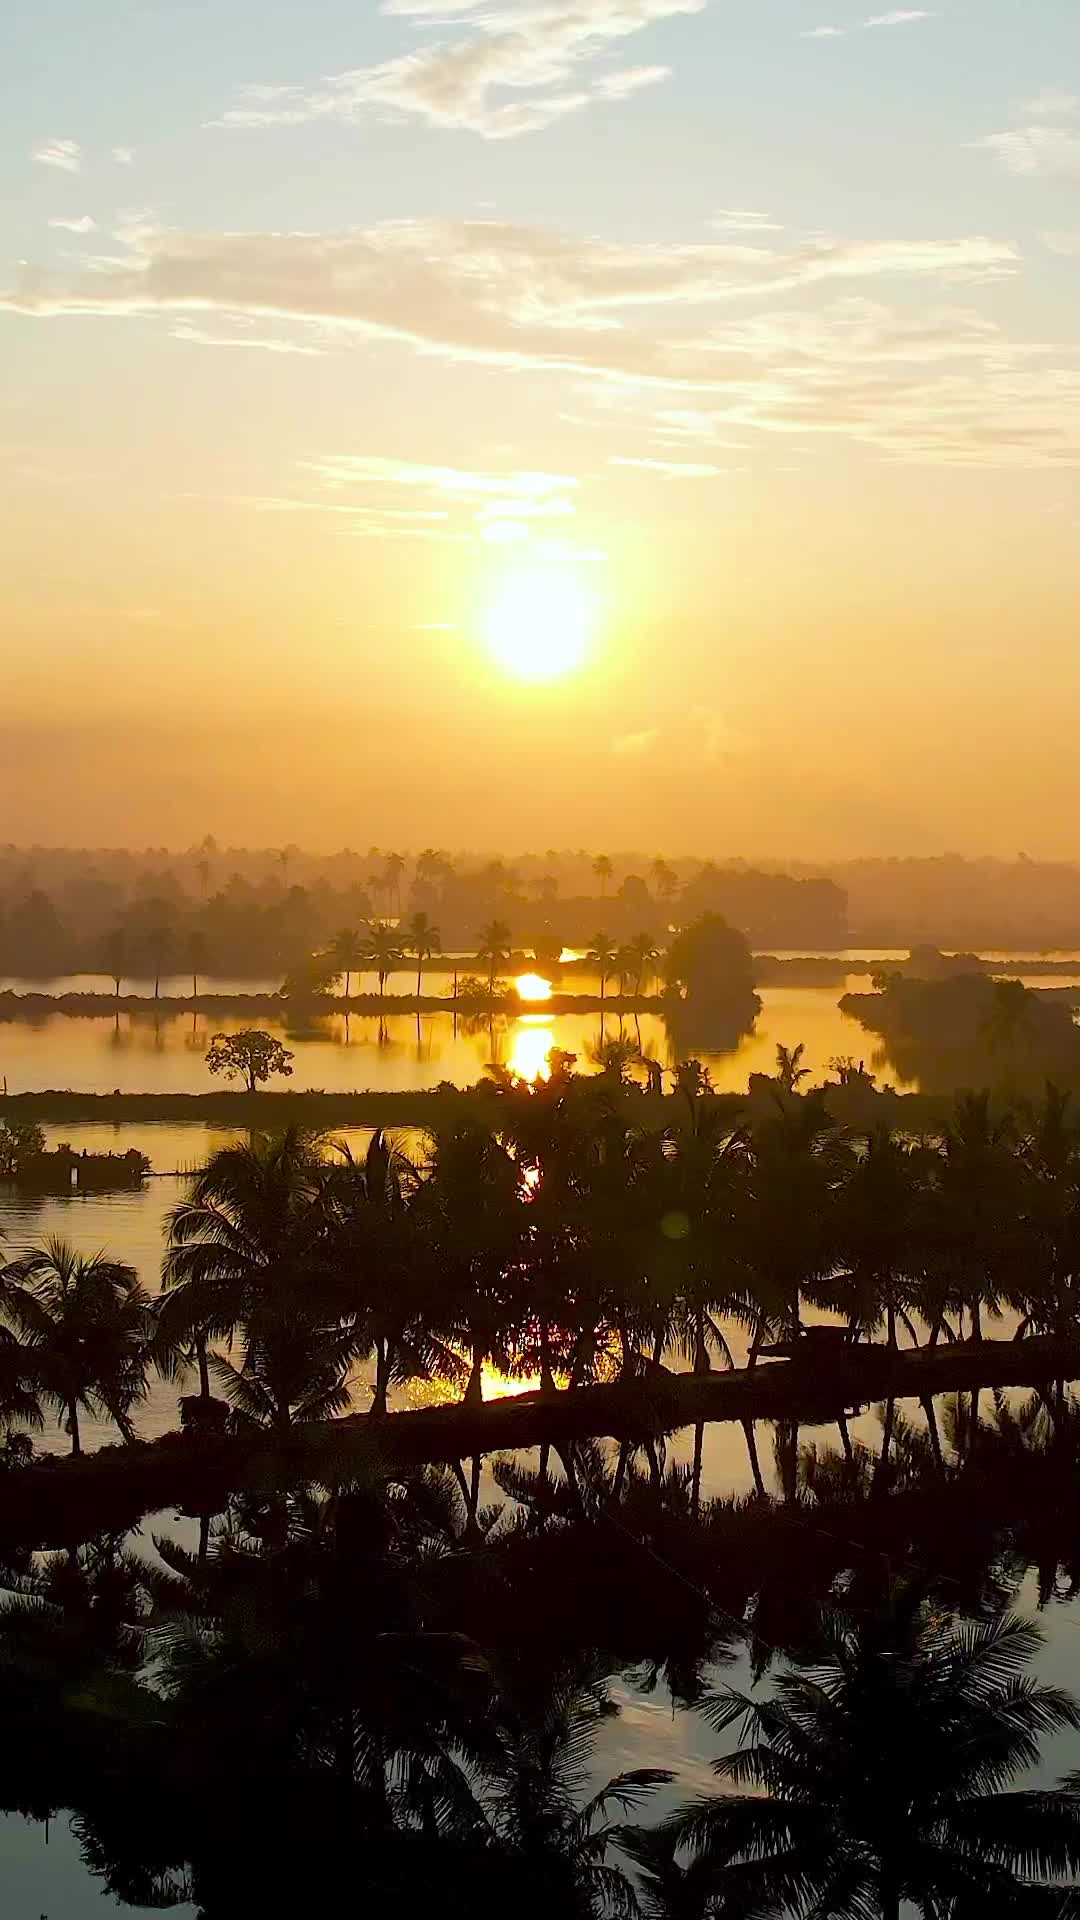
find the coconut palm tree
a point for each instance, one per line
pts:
(246, 1260)
(393, 869)
(645, 951)
(877, 1774)
(602, 952)
(789, 1067)
(664, 879)
(158, 945)
(494, 949)
(196, 959)
(532, 1791)
(116, 955)
(382, 952)
(421, 937)
(603, 870)
(85, 1326)
(348, 952)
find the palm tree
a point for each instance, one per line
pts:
(393, 869)
(158, 945)
(644, 948)
(381, 952)
(116, 956)
(877, 1772)
(789, 1067)
(532, 1792)
(86, 1326)
(603, 870)
(494, 948)
(602, 951)
(196, 959)
(421, 937)
(665, 880)
(246, 1256)
(348, 952)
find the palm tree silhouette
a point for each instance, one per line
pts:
(382, 952)
(116, 956)
(244, 1256)
(645, 949)
(494, 948)
(532, 1792)
(789, 1067)
(86, 1326)
(602, 951)
(876, 1774)
(196, 959)
(603, 870)
(393, 869)
(348, 952)
(421, 937)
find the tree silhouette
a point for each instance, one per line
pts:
(382, 952)
(348, 952)
(252, 1056)
(422, 938)
(602, 952)
(877, 1774)
(85, 1325)
(494, 948)
(603, 869)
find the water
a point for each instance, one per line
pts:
(143, 1053)
(51, 1879)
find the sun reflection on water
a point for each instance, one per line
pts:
(530, 1043)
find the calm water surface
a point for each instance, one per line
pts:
(139, 1053)
(50, 1879)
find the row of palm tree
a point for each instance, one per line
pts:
(548, 1235)
(384, 949)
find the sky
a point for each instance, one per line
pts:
(542, 422)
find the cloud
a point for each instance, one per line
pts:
(1065, 244)
(544, 54)
(81, 223)
(630, 745)
(1051, 104)
(705, 327)
(490, 292)
(743, 220)
(898, 17)
(64, 154)
(671, 469)
(199, 337)
(1046, 152)
(124, 156)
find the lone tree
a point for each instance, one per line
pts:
(252, 1056)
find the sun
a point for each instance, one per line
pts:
(540, 626)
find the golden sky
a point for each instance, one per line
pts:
(639, 422)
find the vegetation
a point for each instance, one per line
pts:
(252, 1056)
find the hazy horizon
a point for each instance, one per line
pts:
(639, 422)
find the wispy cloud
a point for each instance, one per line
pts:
(491, 292)
(79, 223)
(670, 469)
(198, 336)
(896, 17)
(744, 220)
(124, 156)
(1047, 146)
(1040, 152)
(517, 66)
(1065, 244)
(65, 154)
